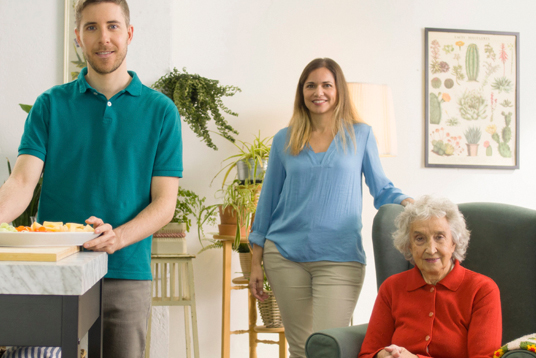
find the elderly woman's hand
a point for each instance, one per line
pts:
(394, 351)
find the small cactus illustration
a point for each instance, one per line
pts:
(435, 106)
(506, 133)
(436, 82)
(472, 64)
(449, 83)
(489, 150)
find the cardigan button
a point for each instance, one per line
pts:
(432, 289)
(431, 314)
(427, 338)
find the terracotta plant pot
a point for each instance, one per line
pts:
(228, 216)
(230, 230)
(472, 149)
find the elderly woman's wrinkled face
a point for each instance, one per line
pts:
(432, 247)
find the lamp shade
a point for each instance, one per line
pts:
(374, 104)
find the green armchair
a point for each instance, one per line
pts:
(502, 246)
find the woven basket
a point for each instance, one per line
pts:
(270, 312)
(245, 263)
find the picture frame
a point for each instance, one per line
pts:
(74, 59)
(471, 99)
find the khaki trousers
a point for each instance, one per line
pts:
(126, 306)
(312, 295)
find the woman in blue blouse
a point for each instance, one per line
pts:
(307, 227)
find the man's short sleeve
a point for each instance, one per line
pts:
(168, 161)
(34, 140)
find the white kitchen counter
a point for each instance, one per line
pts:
(73, 275)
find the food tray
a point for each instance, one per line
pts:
(36, 239)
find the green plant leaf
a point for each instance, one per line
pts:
(25, 107)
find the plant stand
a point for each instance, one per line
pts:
(240, 283)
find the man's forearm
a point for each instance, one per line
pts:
(154, 216)
(147, 222)
(17, 191)
(14, 199)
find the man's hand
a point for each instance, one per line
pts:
(107, 242)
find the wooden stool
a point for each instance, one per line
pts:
(175, 290)
(253, 329)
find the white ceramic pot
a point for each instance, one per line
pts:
(167, 242)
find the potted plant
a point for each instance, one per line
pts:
(250, 162)
(472, 136)
(199, 100)
(241, 199)
(170, 239)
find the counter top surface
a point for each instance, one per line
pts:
(73, 275)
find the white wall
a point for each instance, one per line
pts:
(262, 47)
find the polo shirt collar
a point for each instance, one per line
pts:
(452, 281)
(134, 87)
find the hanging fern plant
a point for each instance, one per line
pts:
(199, 100)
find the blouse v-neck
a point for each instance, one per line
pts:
(319, 158)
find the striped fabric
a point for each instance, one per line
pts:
(32, 352)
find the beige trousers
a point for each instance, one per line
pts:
(312, 295)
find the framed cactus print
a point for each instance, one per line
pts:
(471, 99)
(74, 59)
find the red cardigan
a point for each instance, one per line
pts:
(458, 317)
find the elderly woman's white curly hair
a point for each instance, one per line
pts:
(423, 209)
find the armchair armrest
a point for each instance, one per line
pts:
(336, 342)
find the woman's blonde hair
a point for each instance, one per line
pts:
(345, 114)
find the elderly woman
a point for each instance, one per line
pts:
(438, 308)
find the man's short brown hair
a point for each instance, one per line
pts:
(82, 4)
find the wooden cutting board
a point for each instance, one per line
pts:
(43, 254)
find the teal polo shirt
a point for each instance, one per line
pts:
(100, 156)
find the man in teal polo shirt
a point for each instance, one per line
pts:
(111, 152)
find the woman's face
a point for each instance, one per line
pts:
(432, 247)
(320, 92)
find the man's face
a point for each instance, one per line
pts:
(104, 37)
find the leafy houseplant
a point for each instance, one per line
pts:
(252, 156)
(199, 100)
(189, 204)
(242, 199)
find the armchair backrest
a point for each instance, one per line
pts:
(502, 246)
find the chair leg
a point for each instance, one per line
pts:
(282, 345)
(187, 333)
(193, 310)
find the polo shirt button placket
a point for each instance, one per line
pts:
(107, 113)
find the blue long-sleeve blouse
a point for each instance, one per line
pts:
(310, 204)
